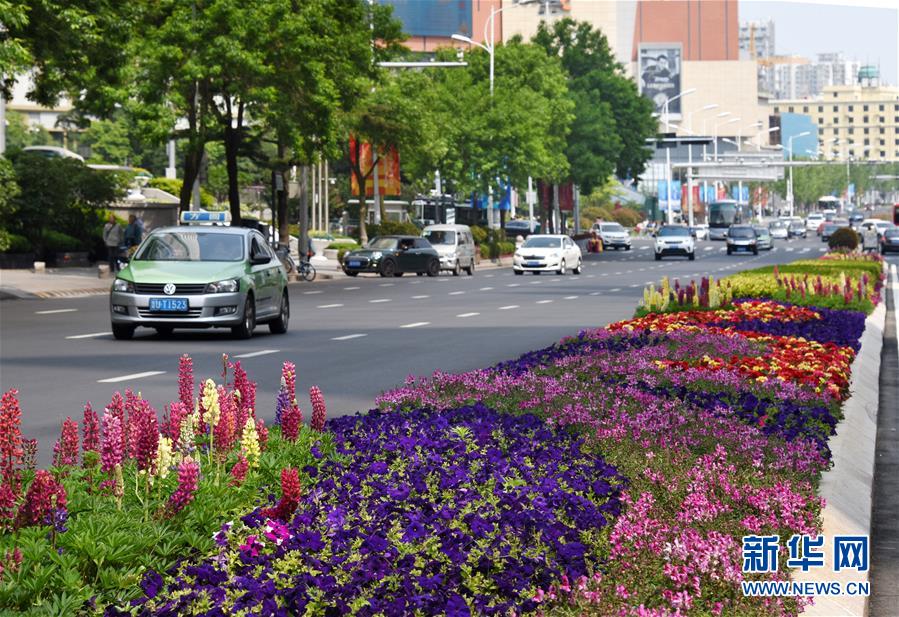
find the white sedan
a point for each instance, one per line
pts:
(547, 253)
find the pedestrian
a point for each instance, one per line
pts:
(112, 238)
(133, 232)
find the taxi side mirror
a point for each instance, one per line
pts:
(260, 259)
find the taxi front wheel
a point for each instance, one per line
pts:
(122, 332)
(246, 327)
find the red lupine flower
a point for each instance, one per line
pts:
(112, 451)
(239, 471)
(67, 453)
(262, 431)
(177, 412)
(188, 481)
(44, 495)
(117, 408)
(91, 428)
(226, 428)
(289, 379)
(291, 418)
(290, 495)
(10, 436)
(245, 393)
(319, 412)
(201, 421)
(8, 496)
(186, 381)
(29, 458)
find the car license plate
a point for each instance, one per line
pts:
(354, 263)
(532, 264)
(169, 305)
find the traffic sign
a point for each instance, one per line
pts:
(192, 216)
(739, 172)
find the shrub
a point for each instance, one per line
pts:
(173, 186)
(479, 234)
(494, 250)
(389, 228)
(843, 238)
(345, 245)
(59, 242)
(13, 243)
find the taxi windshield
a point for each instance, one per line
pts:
(191, 246)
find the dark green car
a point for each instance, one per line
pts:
(394, 256)
(201, 277)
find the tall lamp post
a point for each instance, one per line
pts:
(668, 179)
(790, 148)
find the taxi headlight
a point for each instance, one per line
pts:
(123, 286)
(226, 286)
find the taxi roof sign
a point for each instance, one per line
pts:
(191, 216)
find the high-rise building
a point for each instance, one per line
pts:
(757, 39)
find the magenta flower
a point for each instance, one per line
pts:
(10, 436)
(44, 495)
(188, 481)
(91, 428)
(177, 412)
(319, 412)
(67, 454)
(251, 546)
(262, 432)
(245, 393)
(112, 451)
(239, 471)
(117, 408)
(226, 428)
(291, 419)
(146, 435)
(186, 382)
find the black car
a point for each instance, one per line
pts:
(889, 241)
(393, 256)
(796, 229)
(828, 229)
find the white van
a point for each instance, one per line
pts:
(454, 244)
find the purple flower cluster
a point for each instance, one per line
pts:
(843, 328)
(462, 511)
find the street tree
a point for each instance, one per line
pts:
(612, 120)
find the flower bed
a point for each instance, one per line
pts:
(613, 474)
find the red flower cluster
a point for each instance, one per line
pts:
(44, 495)
(186, 381)
(188, 481)
(10, 436)
(91, 429)
(239, 471)
(291, 490)
(319, 411)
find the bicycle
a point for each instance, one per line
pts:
(306, 270)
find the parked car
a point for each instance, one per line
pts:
(778, 230)
(547, 253)
(813, 221)
(393, 256)
(613, 235)
(742, 238)
(763, 238)
(796, 229)
(674, 240)
(200, 277)
(889, 242)
(455, 246)
(521, 228)
(701, 231)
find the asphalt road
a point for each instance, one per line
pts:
(353, 337)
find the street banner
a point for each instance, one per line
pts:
(659, 68)
(685, 196)
(675, 194)
(736, 195)
(566, 195)
(388, 169)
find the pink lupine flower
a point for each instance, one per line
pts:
(319, 412)
(289, 379)
(8, 497)
(44, 495)
(133, 409)
(188, 481)
(177, 412)
(226, 428)
(262, 432)
(67, 453)
(291, 418)
(112, 451)
(245, 393)
(117, 408)
(10, 436)
(91, 428)
(185, 382)
(146, 436)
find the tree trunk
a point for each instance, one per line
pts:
(281, 197)
(191, 169)
(232, 145)
(362, 180)
(304, 211)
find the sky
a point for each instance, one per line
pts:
(864, 30)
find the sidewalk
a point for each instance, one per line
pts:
(54, 283)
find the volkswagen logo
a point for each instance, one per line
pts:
(169, 289)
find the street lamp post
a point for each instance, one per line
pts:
(790, 148)
(668, 174)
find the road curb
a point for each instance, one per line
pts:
(848, 486)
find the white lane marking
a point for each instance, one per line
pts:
(488, 276)
(486, 288)
(721, 250)
(605, 274)
(635, 285)
(467, 314)
(414, 282)
(309, 293)
(264, 352)
(420, 297)
(513, 285)
(416, 324)
(805, 250)
(379, 300)
(594, 293)
(543, 301)
(535, 282)
(54, 311)
(93, 335)
(386, 284)
(708, 248)
(456, 293)
(790, 249)
(644, 248)
(617, 273)
(348, 337)
(329, 305)
(350, 288)
(822, 249)
(590, 276)
(509, 307)
(614, 290)
(131, 377)
(570, 298)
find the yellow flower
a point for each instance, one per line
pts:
(249, 441)
(211, 403)
(163, 457)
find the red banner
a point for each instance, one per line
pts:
(388, 169)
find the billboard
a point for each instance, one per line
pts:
(388, 169)
(659, 67)
(433, 17)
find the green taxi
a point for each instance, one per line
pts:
(201, 277)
